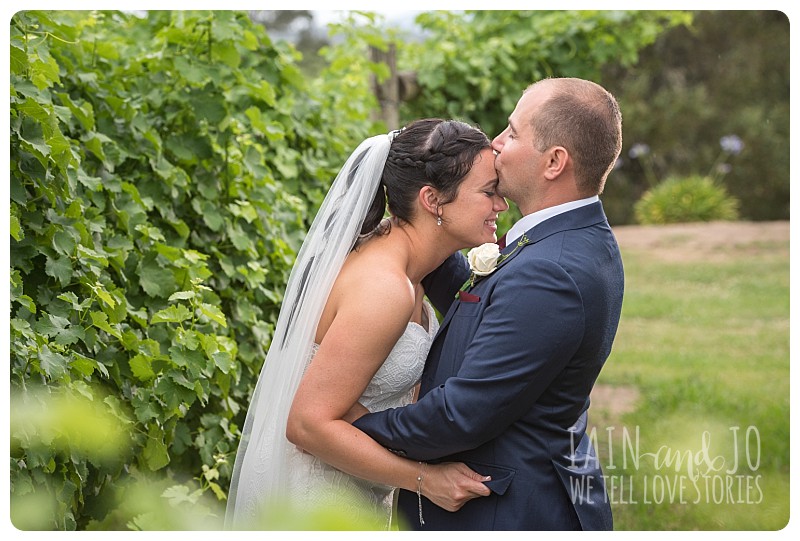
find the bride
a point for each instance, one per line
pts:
(354, 329)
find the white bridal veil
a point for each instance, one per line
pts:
(260, 473)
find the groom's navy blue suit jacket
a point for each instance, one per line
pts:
(507, 381)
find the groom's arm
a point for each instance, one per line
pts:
(530, 329)
(442, 284)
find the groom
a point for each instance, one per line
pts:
(507, 383)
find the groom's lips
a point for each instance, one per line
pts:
(491, 223)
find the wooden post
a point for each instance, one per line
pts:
(409, 88)
(388, 91)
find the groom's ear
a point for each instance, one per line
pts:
(557, 159)
(429, 199)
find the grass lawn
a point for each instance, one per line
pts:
(692, 412)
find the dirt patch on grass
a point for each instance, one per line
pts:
(710, 241)
(610, 403)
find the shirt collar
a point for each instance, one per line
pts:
(526, 223)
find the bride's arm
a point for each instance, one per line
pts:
(357, 342)
(355, 413)
(358, 410)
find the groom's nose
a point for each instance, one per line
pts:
(499, 141)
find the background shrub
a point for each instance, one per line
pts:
(694, 198)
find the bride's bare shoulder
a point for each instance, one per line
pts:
(376, 269)
(369, 282)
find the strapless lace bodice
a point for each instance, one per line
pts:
(393, 383)
(313, 482)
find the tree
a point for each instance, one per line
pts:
(727, 74)
(297, 27)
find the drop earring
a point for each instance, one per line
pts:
(438, 216)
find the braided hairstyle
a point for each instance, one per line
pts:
(428, 152)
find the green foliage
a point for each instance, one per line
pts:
(474, 65)
(344, 87)
(160, 174)
(686, 199)
(726, 73)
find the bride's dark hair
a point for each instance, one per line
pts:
(428, 152)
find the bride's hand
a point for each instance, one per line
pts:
(452, 484)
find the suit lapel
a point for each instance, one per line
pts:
(447, 317)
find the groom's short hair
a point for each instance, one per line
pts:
(584, 118)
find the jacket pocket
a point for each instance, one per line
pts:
(501, 476)
(468, 309)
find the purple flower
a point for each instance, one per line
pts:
(638, 150)
(731, 144)
(724, 168)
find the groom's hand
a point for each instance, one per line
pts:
(452, 484)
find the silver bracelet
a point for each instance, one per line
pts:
(419, 494)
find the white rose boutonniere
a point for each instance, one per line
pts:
(483, 259)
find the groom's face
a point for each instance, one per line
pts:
(519, 164)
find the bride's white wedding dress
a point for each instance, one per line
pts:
(314, 483)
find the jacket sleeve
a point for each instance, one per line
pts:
(442, 284)
(531, 327)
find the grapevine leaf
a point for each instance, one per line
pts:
(213, 313)
(155, 453)
(52, 363)
(172, 314)
(141, 366)
(59, 268)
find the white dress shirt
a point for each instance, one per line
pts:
(527, 222)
